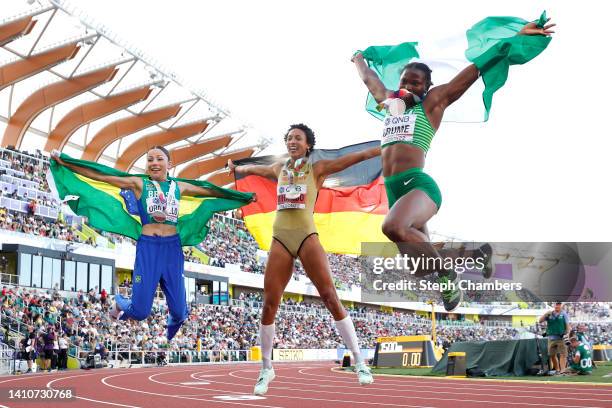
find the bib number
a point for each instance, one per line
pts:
(398, 129)
(291, 196)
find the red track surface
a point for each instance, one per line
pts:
(300, 385)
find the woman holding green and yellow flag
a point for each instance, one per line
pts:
(414, 113)
(161, 212)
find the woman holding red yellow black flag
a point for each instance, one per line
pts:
(295, 235)
(413, 111)
(160, 212)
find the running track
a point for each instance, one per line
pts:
(302, 385)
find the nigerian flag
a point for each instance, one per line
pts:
(491, 44)
(113, 210)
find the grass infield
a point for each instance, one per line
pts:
(601, 374)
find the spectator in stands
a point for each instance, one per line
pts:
(62, 360)
(557, 328)
(32, 207)
(103, 296)
(49, 340)
(28, 349)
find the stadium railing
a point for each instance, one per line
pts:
(8, 279)
(7, 359)
(185, 356)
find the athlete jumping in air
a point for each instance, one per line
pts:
(414, 197)
(295, 235)
(159, 256)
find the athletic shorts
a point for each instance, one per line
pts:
(557, 347)
(48, 354)
(400, 184)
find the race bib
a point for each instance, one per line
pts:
(172, 209)
(398, 129)
(156, 209)
(163, 207)
(291, 196)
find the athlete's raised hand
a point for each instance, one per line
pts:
(533, 29)
(231, 166)
(55, 155)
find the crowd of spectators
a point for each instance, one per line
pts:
(37, 226)
(33, 165)
(82, 323)
(230, 243)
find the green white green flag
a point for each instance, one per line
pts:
(491, 44)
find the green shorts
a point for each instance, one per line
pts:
(400, 184)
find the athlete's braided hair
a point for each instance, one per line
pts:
(310, 136)
(421, 67)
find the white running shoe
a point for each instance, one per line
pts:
(364, 374)
(114, 311)
(266, 375)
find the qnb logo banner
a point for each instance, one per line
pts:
(487, 272)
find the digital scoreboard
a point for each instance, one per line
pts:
(404, 351)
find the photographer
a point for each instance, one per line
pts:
(557, 328)
(581, 363)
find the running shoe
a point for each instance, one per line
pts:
(487, 253)
(451, 297)
(364, 374)
(266, 375)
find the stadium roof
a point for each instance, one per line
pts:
(69, 83)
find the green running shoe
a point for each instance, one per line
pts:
(487, 253)
(450, 297)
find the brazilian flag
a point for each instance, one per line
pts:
(113, 210)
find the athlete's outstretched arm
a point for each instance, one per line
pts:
(446, 94)
(370, 79)
(324, 168)
(270, 171)
(188, 189)
(126, 183)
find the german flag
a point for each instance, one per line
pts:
(350, 207)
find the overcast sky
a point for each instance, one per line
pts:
(537, 171)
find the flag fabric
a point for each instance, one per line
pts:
(349, 210)
(111, 209)
(491, 44)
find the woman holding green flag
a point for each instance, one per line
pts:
(159, 256)
(414, 113)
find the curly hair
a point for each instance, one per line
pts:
(310, 136)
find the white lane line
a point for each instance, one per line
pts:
(105, 379)
(412, 396)
(491, 382)
(369, 403)
(90, 399)
(479, 385)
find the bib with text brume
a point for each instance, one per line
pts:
(398, 128)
